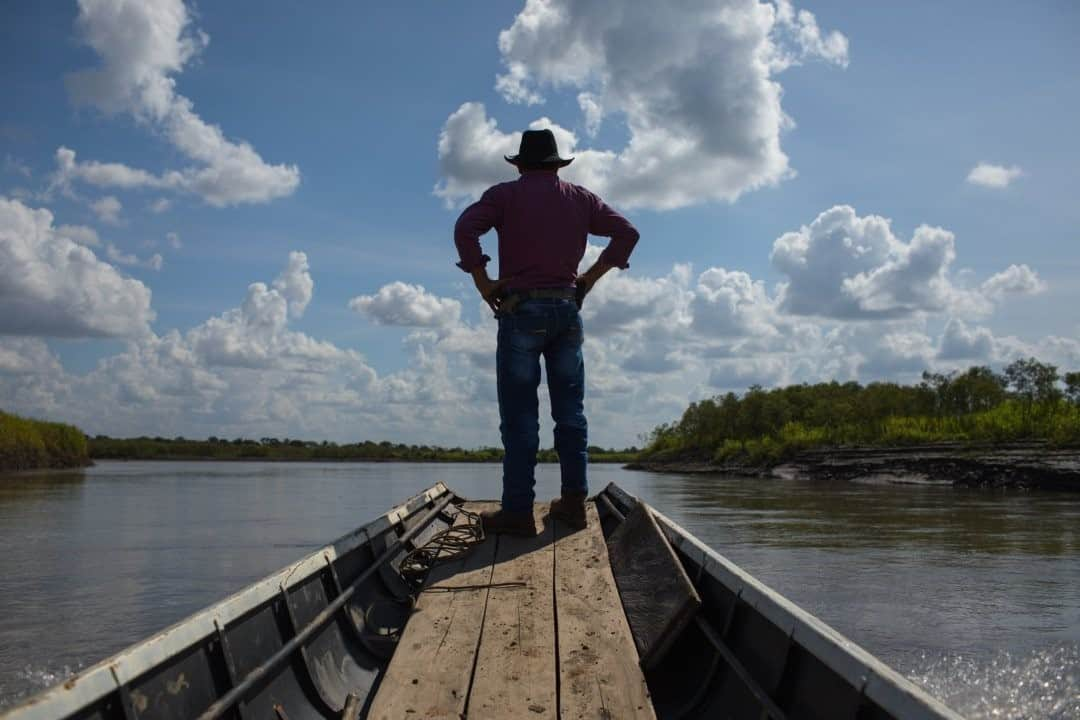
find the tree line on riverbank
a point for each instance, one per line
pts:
(214, 448)
(1030, 400)
(27, 444)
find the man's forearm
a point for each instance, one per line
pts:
(597, 271)
(480, 276)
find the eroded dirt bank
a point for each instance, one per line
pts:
(1015, 465)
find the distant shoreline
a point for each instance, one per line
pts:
(1031, 464)
(426, 461)
(29, 445)
(286, 450)
(1020, 465)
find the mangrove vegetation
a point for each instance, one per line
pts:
(27, 444)
(1030, 400)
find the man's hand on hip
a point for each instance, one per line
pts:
(490, 290)
(587, 279)
(582, 287)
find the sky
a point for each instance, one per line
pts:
(235, 219)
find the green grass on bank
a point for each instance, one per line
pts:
(159, 448)
(28, 444)
(1029, 401)
(1002, 424)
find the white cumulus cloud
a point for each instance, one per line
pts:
(245, 371)
(1014, 280)
(850, 267)
(295, 284)
(471, 150)
(143, 46)
(24, 356)
(695, 84)
(407, 305)
(803, 38)
(626, 303)
(993, 176)
(52, 286)
(961, 341)
(732, 304)
(256, 335)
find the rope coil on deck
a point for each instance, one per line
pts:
(453, 543)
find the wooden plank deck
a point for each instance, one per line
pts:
(430, 673)
(545, 637)
(598, 661)
(515, 667)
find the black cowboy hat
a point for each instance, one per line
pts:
(538, 148)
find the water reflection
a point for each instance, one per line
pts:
(847, 515)
(38, 486)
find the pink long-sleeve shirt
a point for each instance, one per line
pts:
(542, 223)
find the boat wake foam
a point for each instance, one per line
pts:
(32, 680)
(1039, 684)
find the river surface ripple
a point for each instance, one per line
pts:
(973, 594)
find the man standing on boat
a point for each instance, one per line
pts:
(542, 224)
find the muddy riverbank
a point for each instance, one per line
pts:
(1012, 465)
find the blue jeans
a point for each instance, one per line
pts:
(552, 328)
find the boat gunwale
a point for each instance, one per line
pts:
(127, 665)
(857, 666)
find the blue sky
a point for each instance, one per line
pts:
(343, 109)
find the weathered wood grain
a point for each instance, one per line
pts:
(598, 663)
(515, 668)
(429, 675)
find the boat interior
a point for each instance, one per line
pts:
(420, 615)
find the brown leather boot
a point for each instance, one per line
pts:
(570, 508)
(503, 522)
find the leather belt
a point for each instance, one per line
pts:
(512, 298)
(545, 294)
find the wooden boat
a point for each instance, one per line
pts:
(340, 634)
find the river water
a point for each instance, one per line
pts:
(973, 594)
